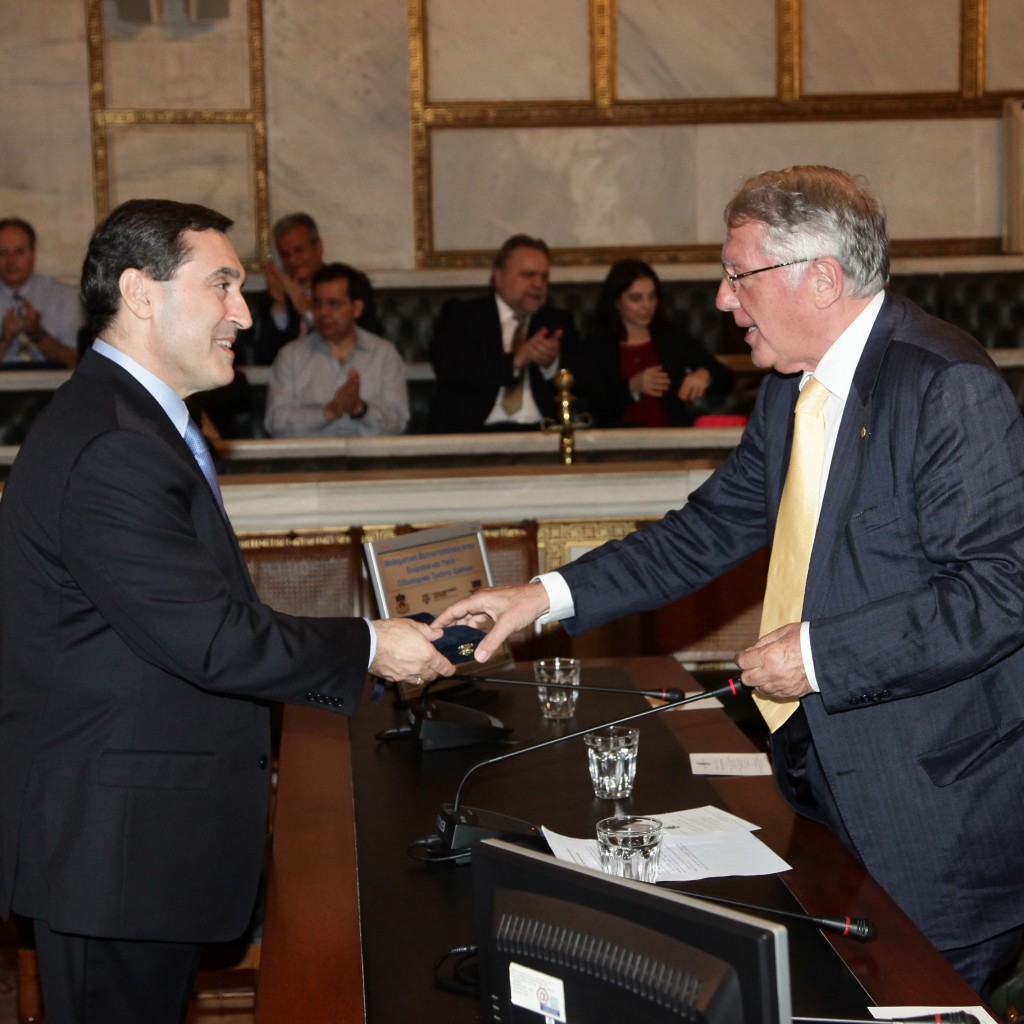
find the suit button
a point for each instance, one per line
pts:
(264, 761)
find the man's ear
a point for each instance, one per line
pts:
(137, 293)
(828, 281)
(357, 308)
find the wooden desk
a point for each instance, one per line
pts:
(412, 912)
(311, 961)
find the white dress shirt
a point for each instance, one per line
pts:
(528, 413)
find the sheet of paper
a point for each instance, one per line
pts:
(695, 821)
(898, 1012)
(707, 843)
(730, 764)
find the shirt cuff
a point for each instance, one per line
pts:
(548, 372)
(373, 642)
(560, 602)
(805, 653)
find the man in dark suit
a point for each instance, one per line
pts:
(135, 657)
(496, 357)
(907, 661)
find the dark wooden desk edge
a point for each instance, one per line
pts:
(311, 964)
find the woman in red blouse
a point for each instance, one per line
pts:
(642, 370)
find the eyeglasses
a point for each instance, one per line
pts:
(733, 278)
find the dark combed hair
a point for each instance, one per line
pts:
(144, 234)
(358, 282)
(622, 275)
(520, 241)
(23, 225)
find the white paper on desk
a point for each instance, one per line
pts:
(686, 858)
(696, 821)
(697, 705)
(730, 764)
(897, 1012)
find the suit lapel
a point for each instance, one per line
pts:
(139, 410)
(851, 450)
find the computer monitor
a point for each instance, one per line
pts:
(568, 943)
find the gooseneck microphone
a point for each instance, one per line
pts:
(458, 827)
(860, 929)
(942, 1017)
(670, 695)
(439, 725)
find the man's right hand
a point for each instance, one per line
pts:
(275, 279)
(346, 399)
(406, 652)
(509, 608)
(282, 287)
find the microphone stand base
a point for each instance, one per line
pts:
(460, 829)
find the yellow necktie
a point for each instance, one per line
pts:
(512, 400)
(794, 531)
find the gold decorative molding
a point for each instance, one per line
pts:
(558, 540)
(789, 49)
(973, 38)
(422, 204)
(561, 540)
(254, 117)
(604, 59)
(789, 105)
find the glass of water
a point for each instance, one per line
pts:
(557, 693)
(611, 757)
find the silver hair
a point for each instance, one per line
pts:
(814, 211)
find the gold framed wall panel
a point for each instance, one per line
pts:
(999, 34)
(789, 105)
(252, 119)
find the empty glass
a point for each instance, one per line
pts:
(558, 696)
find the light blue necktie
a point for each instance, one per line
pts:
(198, 447)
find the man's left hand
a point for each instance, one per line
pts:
(542, 349)
(774, 664)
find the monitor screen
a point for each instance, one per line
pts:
(566, 943)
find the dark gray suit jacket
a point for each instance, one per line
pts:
(134, 658)
(915, 598)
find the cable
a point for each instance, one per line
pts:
(430, 850)
(400, 732)
(463, 981)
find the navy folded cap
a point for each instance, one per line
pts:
(458, 643)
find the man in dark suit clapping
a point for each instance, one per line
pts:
(496, 357)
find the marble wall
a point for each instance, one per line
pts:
(342, 138)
